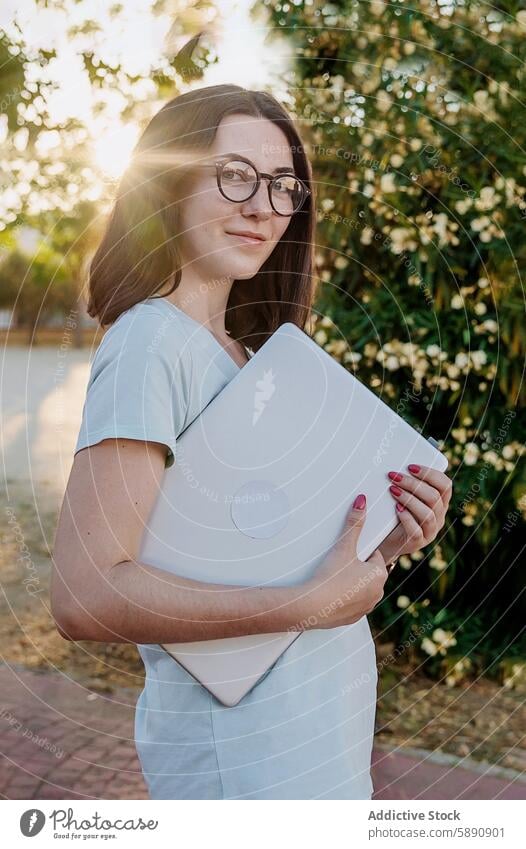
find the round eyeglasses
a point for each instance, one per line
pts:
(238, 180)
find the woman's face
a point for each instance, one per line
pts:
(210, 244)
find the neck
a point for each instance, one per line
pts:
(203, 300)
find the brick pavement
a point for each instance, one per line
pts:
(59, 740)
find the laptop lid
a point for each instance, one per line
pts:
(261, 486)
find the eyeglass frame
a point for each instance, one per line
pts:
(235, 157)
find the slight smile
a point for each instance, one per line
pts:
(248, 238)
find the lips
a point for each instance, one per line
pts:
(248, 237)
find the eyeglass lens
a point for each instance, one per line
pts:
(238, 181)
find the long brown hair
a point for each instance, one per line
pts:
(138, 253)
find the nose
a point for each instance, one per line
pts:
(259, 203)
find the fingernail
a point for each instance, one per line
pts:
(399, 507)
(413, 468)
(359, 502)
(394, 476)
(395, 490)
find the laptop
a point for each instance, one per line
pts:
(261, 485)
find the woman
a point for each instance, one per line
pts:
(207, 251)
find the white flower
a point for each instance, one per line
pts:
(488, 198)
(396, 160)
(461, 359)
(471, 454)
(403, 601)
(480, 223)
(479, 358)
(481, 308)
(429, 646)
(491, 457)
(462, 206)
(440, 223)
(402, 239)
(444, 639)
(387, 183)
(392, 363)
(383, 101)
(432, 350)
(457, 302)
(320, 337)
(341, 262)
(352, 357)
(367, 235)
(327, 204)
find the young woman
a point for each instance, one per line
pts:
(207, 251)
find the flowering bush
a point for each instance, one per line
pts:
(415, 122)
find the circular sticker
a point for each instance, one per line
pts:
(259, 510)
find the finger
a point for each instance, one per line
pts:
(426, 493)
(423, 514)
(437, 479)
(354, 522)
(414, 537)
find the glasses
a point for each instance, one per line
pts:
(238, 180)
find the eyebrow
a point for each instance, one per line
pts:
(282, 169)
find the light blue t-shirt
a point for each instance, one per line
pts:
(306, 730)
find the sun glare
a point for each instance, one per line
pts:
(112, 152)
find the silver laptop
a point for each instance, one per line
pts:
(261, 486)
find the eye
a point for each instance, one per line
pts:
(237, 174)
(286, 184)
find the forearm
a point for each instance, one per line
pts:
(140, 603)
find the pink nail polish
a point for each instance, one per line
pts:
(399, 507)
(413, 468)
(395, 476)
(359, 502)
(395, 490)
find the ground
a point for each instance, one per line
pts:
(479, 719)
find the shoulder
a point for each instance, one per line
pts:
(147, 330)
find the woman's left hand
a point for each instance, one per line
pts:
(424, 494)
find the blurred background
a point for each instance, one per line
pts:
(414, 116)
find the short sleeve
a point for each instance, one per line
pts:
(139, 381)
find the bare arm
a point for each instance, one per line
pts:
(99, 591)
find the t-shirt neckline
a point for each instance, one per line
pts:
(209, 334)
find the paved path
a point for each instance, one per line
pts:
(61, 741)
(42, 391)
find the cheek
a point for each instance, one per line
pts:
(280, 228)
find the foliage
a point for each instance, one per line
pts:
(416, 125)
(53, 121)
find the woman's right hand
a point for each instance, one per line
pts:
(345, 588)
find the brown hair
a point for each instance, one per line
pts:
(138, 254)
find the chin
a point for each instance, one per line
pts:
(240, 271)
